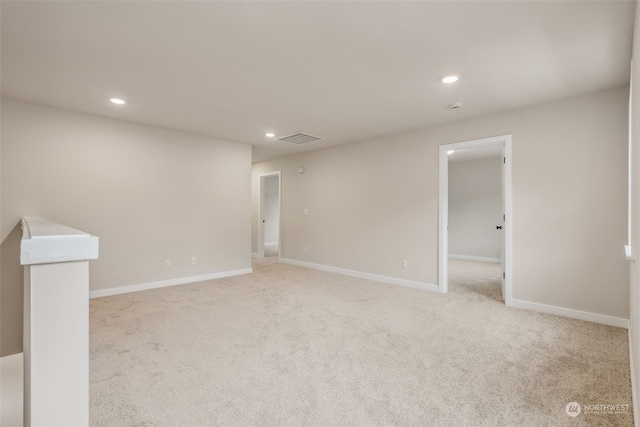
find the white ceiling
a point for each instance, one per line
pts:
(478, 153)
(344, 70)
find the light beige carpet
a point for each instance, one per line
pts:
(290, 346)
(271, 251)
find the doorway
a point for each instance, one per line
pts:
(269, 225)
(499, 146)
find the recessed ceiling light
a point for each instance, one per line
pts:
(269, 134)
(451, 151)
(117, 101)
(449, 79)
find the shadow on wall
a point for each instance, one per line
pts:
(11, 293)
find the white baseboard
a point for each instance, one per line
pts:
(574, 314)
(271, 243)
(362, 275)
(164, 283)
(475, 258)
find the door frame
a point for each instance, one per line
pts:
(261, 208)
(443, 221)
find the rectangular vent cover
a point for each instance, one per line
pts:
(300, 138)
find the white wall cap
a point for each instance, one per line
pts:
(45, 242)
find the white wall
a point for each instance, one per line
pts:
(149, 194)
(272, 210)
(475, 208)
(634, 288)
(373, 203)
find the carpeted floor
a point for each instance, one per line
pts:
(290, 346)
(271, 251)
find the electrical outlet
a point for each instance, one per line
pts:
(304, 250)
(194, 260)
(305, 212)
(405, 264)
(167, 263)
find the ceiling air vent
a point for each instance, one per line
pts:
(299, 138)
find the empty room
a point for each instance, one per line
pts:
(319, 213)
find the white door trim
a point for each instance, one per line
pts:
(443, 239)
(261, 194)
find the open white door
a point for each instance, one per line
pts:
(507, 223)
(262, 213)
(507, 220)
(502, 229)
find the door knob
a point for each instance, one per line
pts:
(498, 227)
